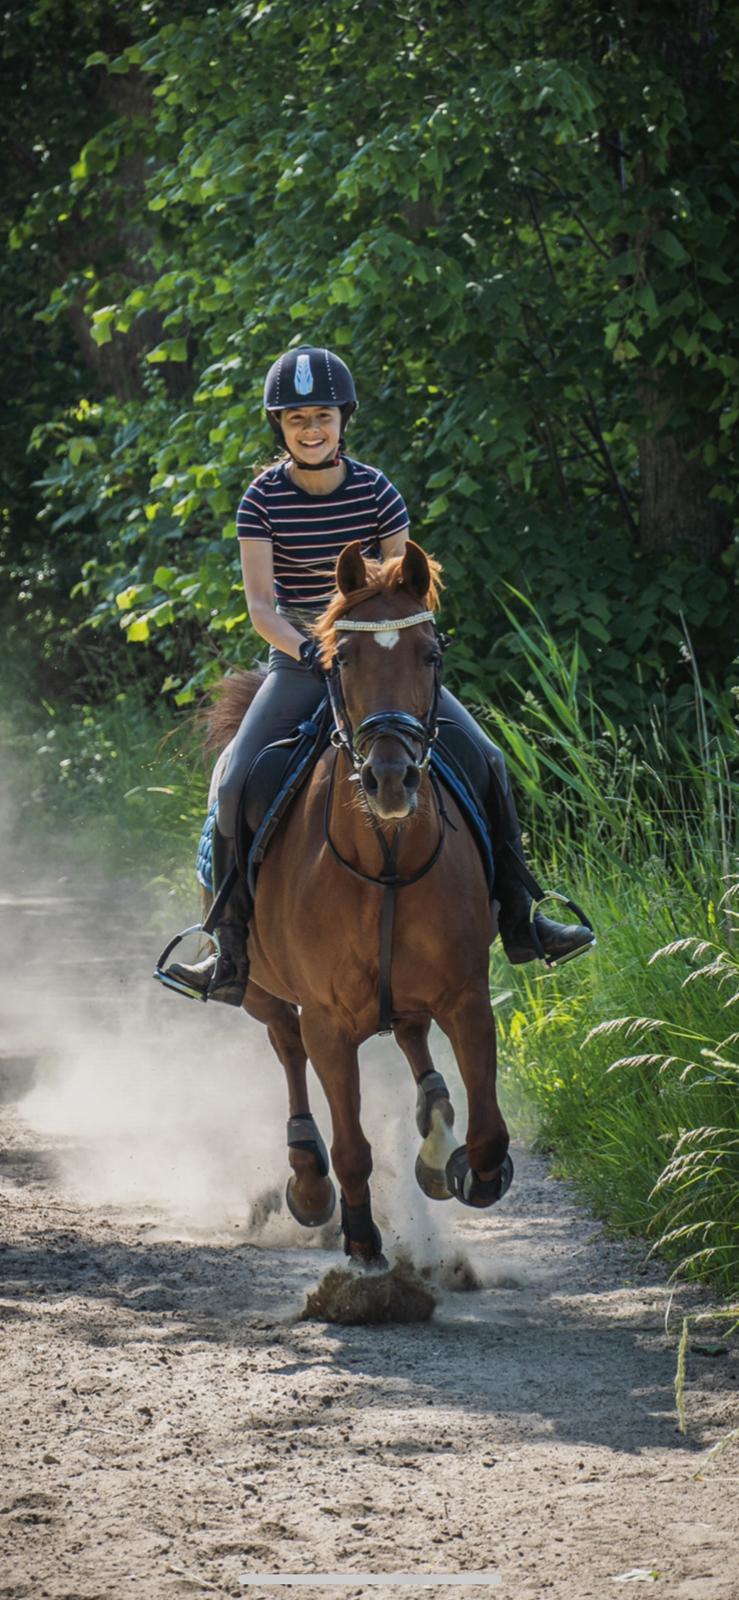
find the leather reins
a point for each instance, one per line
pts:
(411, 732)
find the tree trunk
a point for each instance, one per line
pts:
(119, 244)
(675, 508)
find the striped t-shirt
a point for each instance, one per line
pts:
(309, 531)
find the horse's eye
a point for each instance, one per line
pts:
(433, 658)
(342, 659)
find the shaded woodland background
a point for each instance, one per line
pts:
(518, 224)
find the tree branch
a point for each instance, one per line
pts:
(592, 423)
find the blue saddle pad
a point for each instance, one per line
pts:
(274, 779)
(204, 857)
(281, 769)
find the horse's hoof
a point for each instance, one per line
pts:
(469, 1189)
(367, 1250)
(359, 1254)
(432, 1180)
(310, 1219)
(303, 1134)
(438, 1146)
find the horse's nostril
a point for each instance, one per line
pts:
(369, 779)
(412, 778)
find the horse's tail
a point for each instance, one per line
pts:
(229, 699)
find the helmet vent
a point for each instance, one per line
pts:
(304, 375)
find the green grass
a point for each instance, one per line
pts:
(626, 1061)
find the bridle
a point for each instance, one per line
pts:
(417, 736)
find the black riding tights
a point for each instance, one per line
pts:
(290, 694)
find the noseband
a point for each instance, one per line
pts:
(411, 732)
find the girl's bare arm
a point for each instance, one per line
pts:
(258, 575)
(395, 544)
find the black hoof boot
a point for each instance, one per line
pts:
(435, 1123)
(362, 1237)
(303, 1134)
(431, 1090)
(469, 1189)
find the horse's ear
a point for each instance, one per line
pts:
(351, 572)
(416, 574)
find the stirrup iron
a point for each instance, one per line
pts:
(163, 976)
(208, 927)
(582, 949)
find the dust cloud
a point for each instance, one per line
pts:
(164, 1105)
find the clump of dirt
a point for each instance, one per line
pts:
(347, 1296)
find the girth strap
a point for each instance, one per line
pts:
(389, 882)
(387, 923)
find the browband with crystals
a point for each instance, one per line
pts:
(344, 625)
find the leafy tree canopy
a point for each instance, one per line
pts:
(518, 225)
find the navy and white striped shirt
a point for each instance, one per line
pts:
(309, 531)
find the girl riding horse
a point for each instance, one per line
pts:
(293, 523)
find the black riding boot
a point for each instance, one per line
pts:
(522, 938)
(223, 976)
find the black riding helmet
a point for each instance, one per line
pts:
(309, 376)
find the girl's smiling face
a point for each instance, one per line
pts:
(312, 433)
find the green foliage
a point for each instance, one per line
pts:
(109, 781)
(523, 245)
(521, 230)
(651, 1137)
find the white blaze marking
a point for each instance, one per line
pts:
(387, 639)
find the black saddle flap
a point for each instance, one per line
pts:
(266, 776)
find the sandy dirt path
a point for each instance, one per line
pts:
(170, 1426)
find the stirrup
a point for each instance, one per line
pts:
(163, 976)
(582, 949)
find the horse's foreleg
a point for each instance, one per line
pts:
(283, 1030)
(480, 1172)
(310, 1192)
(434, 1110)
(334, 1057)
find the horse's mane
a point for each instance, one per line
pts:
(383, 578)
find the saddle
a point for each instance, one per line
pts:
(279, 772)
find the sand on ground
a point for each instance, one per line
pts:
(170, 1426)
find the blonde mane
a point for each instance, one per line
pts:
(383, 578)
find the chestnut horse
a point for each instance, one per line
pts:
(372, 812)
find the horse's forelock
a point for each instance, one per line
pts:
(383, 578)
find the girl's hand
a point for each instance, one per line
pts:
(310, 658)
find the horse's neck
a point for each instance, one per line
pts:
(356, 839)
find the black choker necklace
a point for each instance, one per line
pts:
(316, 466)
